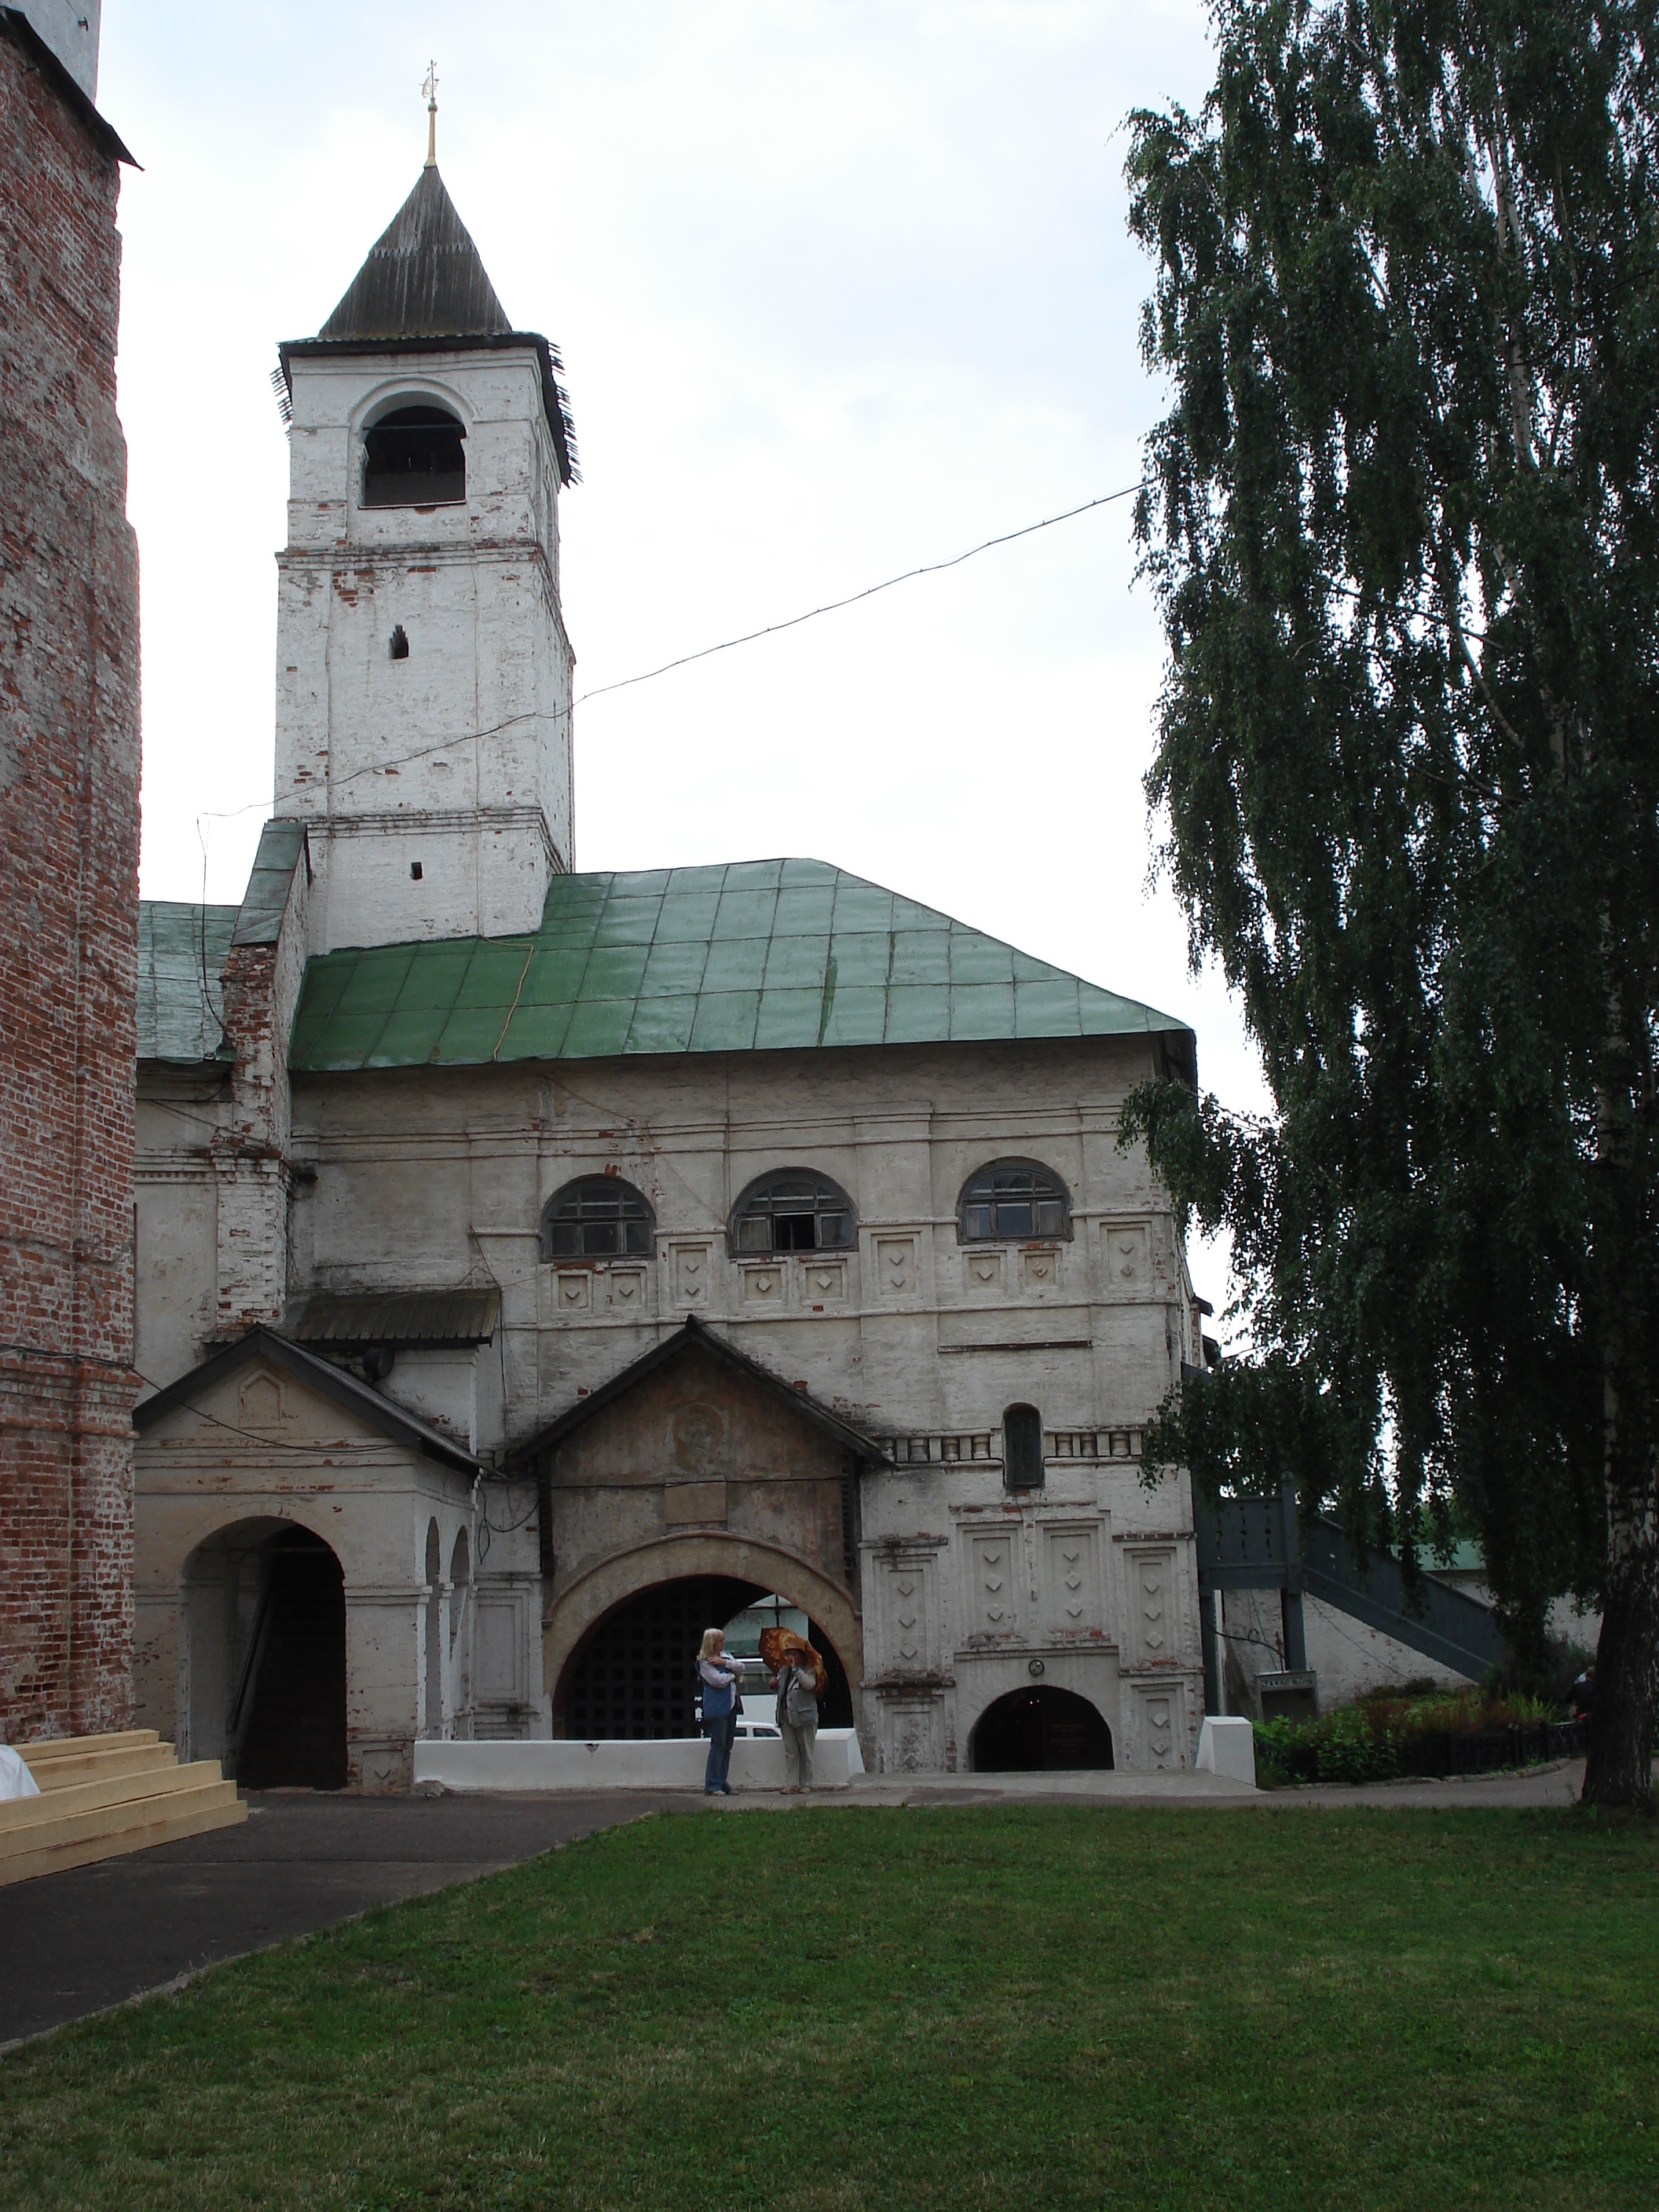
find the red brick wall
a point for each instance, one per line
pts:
(69, 858)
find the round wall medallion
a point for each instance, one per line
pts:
(699, 1432)
(1035, 1667)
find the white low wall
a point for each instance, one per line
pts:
(675, 1763)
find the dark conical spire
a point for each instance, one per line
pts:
(422, 279)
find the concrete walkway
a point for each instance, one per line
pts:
(75, 1944)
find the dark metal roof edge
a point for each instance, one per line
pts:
(744, 1054)
(330, 1382)
(556, 400)
(691, 1331)
(463, 1340)
(13, 21)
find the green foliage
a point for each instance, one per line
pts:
(1033, 2008)
(1363, 1741)
(1401, 525)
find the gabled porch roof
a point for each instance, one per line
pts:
(335, 1384)
(694, 1333)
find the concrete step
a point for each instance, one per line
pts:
(98, 1797)
(69, 1768)
(136, 1827)
(71, 1746)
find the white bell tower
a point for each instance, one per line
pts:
(423, 674)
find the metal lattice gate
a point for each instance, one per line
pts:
(636, 1674)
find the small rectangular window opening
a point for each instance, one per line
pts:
(414, 871)
(1022, 1449)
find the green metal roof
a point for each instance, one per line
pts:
(181, 951)
(756, 956)
(265, 902)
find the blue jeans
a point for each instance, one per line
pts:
(722, 1728)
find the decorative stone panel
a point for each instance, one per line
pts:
(1151, 1632)
(572, 1293)
(898, 1274)
(1039, 1267)
(991, 1565)
(1071, 1580)
(821, 1282)
(1125, 1263)
(763, 1283)
(981, 1270)
(911, 1731)
(690, 1274)
(621, 1290)
(1158, 1713)
(902, 1607)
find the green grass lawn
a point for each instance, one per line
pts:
(848, 2008)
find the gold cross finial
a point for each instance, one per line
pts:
(430, 88)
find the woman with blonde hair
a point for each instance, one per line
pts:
(719, 1677)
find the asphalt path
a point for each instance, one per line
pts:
(76, 1943)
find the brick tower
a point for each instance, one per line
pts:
(68, 846)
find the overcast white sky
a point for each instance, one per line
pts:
(841, 286)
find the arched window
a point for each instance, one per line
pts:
(793, 1209)
(1022, 1449)
(597, 1217)
(413, 457)
(1012, 1199)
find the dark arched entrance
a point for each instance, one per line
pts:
(286, 1726)
(636, 1674)
(1039, 1730)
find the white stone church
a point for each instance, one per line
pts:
(536, 1269)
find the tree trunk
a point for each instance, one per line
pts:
(1619, 1770)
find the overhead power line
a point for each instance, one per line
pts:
(834, 606)
(725, 645)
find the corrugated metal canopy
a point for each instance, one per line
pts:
(755, 956)
(181, 951)
(353, 1320)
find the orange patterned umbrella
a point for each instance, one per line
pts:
(777, 1643)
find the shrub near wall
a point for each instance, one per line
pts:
(1375, 1738)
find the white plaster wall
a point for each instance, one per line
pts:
(70, 28)
(258, 1445)
(441, 1387)
(1348, 1656)
(418, 1173)
(176, 1220)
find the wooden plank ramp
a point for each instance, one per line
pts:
(104, 1794)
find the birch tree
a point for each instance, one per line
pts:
(1400, 522)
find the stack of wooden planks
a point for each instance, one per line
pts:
(104, 1794)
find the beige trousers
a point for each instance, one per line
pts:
(798, 1753)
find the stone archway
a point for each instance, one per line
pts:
(1040, 1729)
(263, 1681)
(715, 1577)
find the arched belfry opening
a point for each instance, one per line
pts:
(414, 457)
(634, 1675)
(1040, 1730)
(265, 1627)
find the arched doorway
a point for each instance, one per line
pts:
(634, 1674)
(265, 1629)
(1040, 1730)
